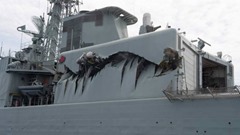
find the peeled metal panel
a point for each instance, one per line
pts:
(150, 46)
(111, 79)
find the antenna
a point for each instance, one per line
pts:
(168, 26)
(57, 11)
(227, 58)
(9, 52)
(204, 41)
(201, 43)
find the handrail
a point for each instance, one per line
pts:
(170, 96)
(238, 88)
(202, 93)
(210, 92)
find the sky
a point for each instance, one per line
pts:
(215, 21)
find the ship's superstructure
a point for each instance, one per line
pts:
(108, 83)
(33, 68)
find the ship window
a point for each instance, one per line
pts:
(73, 30)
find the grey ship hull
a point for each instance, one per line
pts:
(117, 95)
(125, 117)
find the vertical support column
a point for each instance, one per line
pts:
(200, 67)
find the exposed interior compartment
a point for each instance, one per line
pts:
(214, 75)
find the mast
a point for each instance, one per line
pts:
(58, 10)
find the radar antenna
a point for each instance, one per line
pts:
(39, 24)
(227, 58)
(201, 43)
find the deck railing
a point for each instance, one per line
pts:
(202, 93)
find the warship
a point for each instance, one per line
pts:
(82, 74)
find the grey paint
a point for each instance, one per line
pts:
(91, 28)
(126, 117)
(107, 106)
(150, 46)
(97, 34)
(5, 82)
(9, 83)
(4, 91)
(107, 85)
(121, 28)
(108, 80)
(189, 67)
(230, 78)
